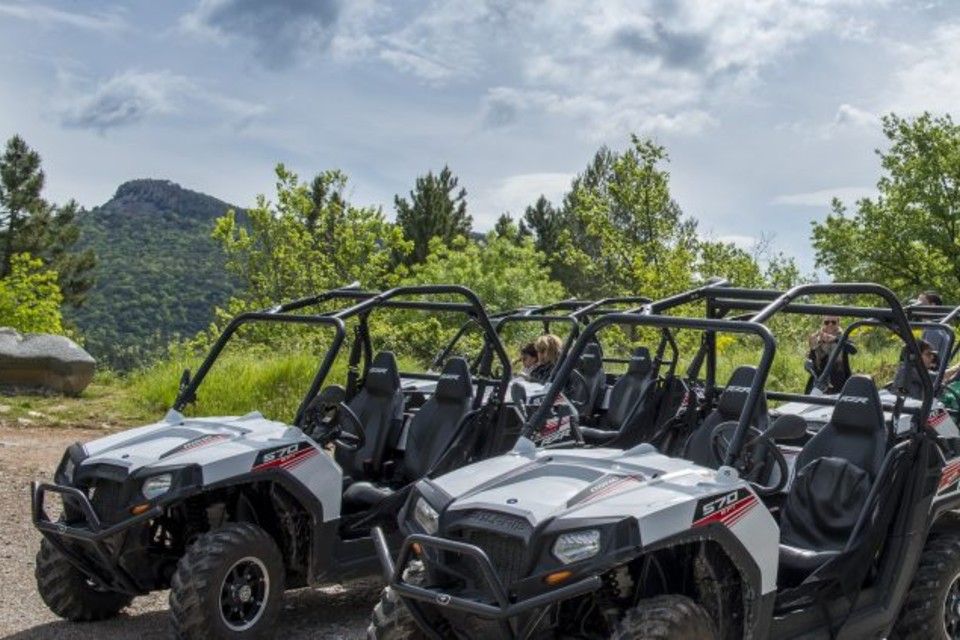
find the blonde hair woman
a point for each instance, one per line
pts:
(548, 352)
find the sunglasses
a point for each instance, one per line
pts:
(828, 322)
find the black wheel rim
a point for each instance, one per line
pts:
(244, 593)
(951, 610)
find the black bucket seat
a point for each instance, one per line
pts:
(379, 407)
(835, 472)
(430, 433)
(586, 389)
(633, 398)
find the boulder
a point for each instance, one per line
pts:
(43, 362)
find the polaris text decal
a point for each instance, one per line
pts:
(286, 457)
(727, 509)
(606, 486)
(196, 443)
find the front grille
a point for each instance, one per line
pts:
(507, 553)
(108, 500)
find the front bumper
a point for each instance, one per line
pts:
(88, 545)
(503, 609)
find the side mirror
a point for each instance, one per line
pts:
(332, 395)
(787, 427)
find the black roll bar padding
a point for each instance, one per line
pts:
(685, 297)
(539, 417)
(899, 324)
(445, 352)
(568, 304)
(945, 314)
(598, 305)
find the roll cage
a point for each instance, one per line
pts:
(359, 304)
(571, 312)
(756, 307)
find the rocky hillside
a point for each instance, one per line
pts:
(159, 273)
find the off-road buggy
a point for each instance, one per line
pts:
(936, 320)
(859, 542)
(228, 512)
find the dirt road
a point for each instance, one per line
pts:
(32, 453)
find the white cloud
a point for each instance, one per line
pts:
(50, 16)
(615, 66)
(849, 115)
(516, 193)
(822, 197)
(929, 79)
(132, 96)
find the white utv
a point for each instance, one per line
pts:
(860, 541)
(228, 512)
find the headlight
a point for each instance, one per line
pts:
(426, 516)
(157, 485)
(577, 545)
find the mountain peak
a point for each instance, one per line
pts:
(147, 196)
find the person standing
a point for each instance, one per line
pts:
(822, 343)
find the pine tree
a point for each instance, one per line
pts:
(29, 224)
(435, 209)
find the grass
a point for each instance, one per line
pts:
(237, 384)
(105, 404)
(274, 383)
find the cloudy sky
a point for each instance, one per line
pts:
(767, 107)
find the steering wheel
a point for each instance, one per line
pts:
(754, 461)
(325, 417)
(576, 381)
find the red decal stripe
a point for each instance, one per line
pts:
(283, 462)
(949, 475)
(300, 460)
(728, 516)
(614, 487)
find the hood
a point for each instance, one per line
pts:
(549, 484)
(178, 440)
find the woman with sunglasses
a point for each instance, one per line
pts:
(822, 342)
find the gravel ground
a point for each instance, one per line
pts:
(31, 453)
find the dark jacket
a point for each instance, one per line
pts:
(838, 373)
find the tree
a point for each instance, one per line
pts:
(507, 228)
(726, 260)
(908, 237)
(619, 232)
(436, 209)
(29, 224)
(505, 273)
(545, 222)
(311, 240)
(30, 297)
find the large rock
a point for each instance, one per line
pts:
(42, 362)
